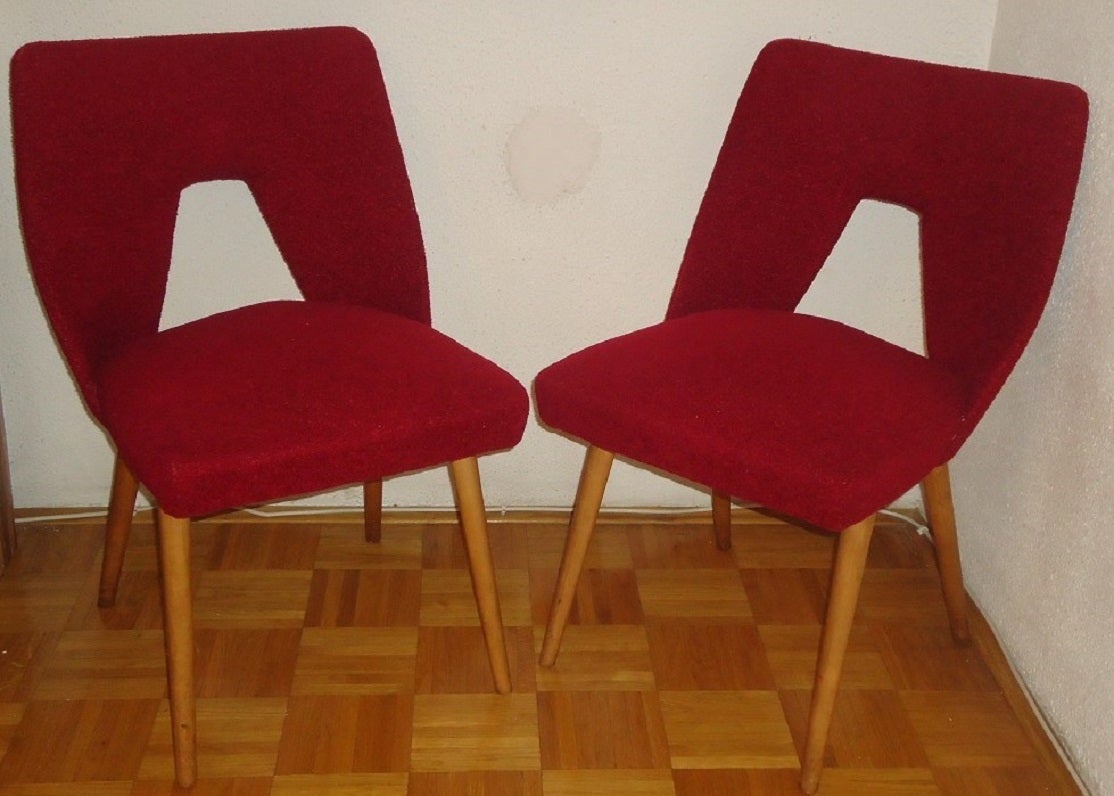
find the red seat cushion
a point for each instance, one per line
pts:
(285, 398)
(803, 415)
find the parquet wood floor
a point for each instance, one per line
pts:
(329, 665)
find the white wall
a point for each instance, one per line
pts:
(523, 281)
(1035, 484)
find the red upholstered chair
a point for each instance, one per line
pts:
(811, 418)
(268, 401)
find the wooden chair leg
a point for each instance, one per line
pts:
(847, 575)
(117, 529)
(174, 562)
(589, 497)
(941, 518)
(373, 511)
(473, 522)
(721, 519)
(8, 539)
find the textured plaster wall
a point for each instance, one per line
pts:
(558, 152)
(1035, 485)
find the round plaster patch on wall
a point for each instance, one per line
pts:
(550, 154)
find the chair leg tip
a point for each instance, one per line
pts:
(185, 779)
(810, 782)
(960, 628)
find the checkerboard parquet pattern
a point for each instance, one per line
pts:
(329, 665)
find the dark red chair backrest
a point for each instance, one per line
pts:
(989, 161)
(108, 132)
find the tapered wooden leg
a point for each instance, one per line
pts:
(721, 519)
(9, 542)
(473, 522)
(847, 575)
(117, 528)
(373, 511)
(174, 561)
(589, 497)
(941, 518)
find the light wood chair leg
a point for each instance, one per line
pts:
(941, 519)
(117, 529)
(721, 519)
(174, 561)
(589, 497)
(9, 542)
(373, 511)
(847, 575)
(473, 523)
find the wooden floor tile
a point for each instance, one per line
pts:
(236, 738)
(925, 658)
(39, 603)
(599, 658)
(693, 593)
(251, 546)
(57, 550)
(676, 547)
(967, 729)
(138, 604)
(143, 553)
(902, 596)
(78, 740)
(609, 548)
(257, 599)
(447, 597)
(738, 782)
(355, 660)
(786, 596)
(792, 650)
(879, 782)
(609, 782)
(70, 789)
(895, 546)
(454, 660)
(99, 664)
(701, 656)
(475, 732)
(11, 715)
(868, 729)
(222, 786)
(727, 729)
(245, 662)
(999, 781)
(23, 658)
(443, 547)
(342, 546)
(601, 729)
(387, 784)
(476, 783)
(364, 598)
(331, 734)
(779, 546)
(603, 596)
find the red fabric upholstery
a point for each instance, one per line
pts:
(108, 133)
(754, 372)
(735, 391)
(283, 398)
(262, 402)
